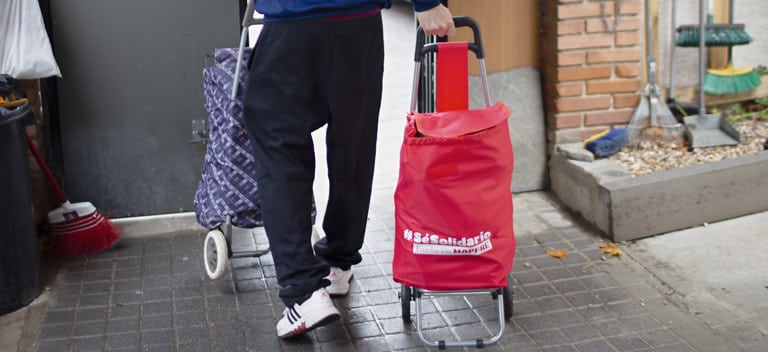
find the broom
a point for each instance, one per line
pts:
(76, 228)
(715, 34)
(730, 80)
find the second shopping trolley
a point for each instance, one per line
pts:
(453, 203)
(227, 200)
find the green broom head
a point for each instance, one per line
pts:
(731, 80)
(717, 34)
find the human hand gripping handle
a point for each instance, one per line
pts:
(437, 21)
(459, 21)
(422, 49)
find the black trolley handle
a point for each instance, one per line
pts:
(423, 49)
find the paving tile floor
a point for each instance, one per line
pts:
(152, 294)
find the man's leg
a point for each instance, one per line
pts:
(355, 99)
(281, 108)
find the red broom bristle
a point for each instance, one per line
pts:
(82, 235)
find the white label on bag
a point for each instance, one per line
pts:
(433, 244)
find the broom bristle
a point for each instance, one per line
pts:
(82, 235)
(730, 84)
(715, 34)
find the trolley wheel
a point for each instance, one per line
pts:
(507, 301)
(405, 302)
(215, 254)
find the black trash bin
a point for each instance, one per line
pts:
(19, 253)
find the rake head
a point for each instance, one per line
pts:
(653, 121)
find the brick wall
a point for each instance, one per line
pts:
(591, 73)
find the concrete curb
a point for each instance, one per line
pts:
(625, 207)
(153, 225)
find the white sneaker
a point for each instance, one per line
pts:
(318, 310)
(339, 281)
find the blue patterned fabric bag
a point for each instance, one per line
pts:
(227, 186)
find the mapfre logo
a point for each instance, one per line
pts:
(433, 244)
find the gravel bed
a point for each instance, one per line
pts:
(658, 156)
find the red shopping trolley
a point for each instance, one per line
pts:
(453, 203)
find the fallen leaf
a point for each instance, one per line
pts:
(559, 254)
(612, 249)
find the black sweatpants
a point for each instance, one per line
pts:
(304, 74)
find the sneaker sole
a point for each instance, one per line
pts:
(301, 330)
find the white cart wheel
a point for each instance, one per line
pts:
(215, 254)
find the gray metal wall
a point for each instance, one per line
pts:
(131, 86)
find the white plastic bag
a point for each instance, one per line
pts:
(25, 51)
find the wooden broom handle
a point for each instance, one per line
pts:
(45, 169)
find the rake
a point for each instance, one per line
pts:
(652, 120)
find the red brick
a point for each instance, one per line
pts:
(626, 100)
(570, 27)
(627, 70)
(630, 7)
(570, 89)
(584, 41)
(568, 120)
(625, 24)
(596, 56)
(596, 25)
(587, 9)
(569, 58)
(613, 86)
(627, 38)
(583, 103)
(579, 73)
(628, 23)
(608, 117)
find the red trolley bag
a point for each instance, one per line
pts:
(453, 201)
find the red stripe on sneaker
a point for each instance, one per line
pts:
(298, 330)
